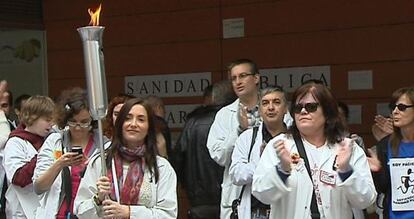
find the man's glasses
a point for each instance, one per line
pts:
(401, 107)
(309, 107)
(241, 76)
(80, 124)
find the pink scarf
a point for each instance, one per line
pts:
(130, 188)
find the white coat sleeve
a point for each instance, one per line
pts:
(4, 129)
(267, 185)
(15, 156)
(84, 206)
(241, 170)
(359, 188)
(166, 205)
(46, 156)
(221, 138)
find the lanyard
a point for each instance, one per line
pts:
(115, 180)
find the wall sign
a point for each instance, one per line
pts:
(168, 85)
(291, 78)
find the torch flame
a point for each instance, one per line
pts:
(94, 16)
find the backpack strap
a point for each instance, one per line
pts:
(66, 181)
(255, 129)
(301, 150)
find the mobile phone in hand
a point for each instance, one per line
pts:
(77, 149)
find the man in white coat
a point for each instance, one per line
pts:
(273, 107)
(231, 121)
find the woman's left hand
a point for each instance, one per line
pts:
(344, 155)
(113, 209)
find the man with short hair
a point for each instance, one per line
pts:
(232, 120)
(4, 134)
(250, 145)
(6, 104)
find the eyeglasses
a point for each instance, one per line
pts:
(309, 107)
(401, 107)
(241, 76)
(80, 124)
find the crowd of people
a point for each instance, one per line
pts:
(244, 153)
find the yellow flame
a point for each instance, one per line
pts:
(95, 16)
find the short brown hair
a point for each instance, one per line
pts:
(253, 65)
(36, 107)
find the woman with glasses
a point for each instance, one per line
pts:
(64, 155)
(313, 171)
(393, 164)
(138, 183)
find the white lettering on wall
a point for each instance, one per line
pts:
(168, 85)
(291, 78)
(176, 115)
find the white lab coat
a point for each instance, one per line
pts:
(292, 199)
(50, 200)
(220, 143)
(21, 202)
(157, 200)
(242, 170)
(4, 135)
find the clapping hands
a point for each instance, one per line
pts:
(344, 154)
(284, 155)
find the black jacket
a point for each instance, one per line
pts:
(382, 178)
(200, 176)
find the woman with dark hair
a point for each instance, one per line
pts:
(395, 157)
(138, 183)
(313, 171)
(60, 167)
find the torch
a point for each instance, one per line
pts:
(95, 74)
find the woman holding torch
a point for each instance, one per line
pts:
(139, 184)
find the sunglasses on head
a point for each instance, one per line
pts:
(400, 106)
(309, 107)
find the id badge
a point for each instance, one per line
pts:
(327, 177)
